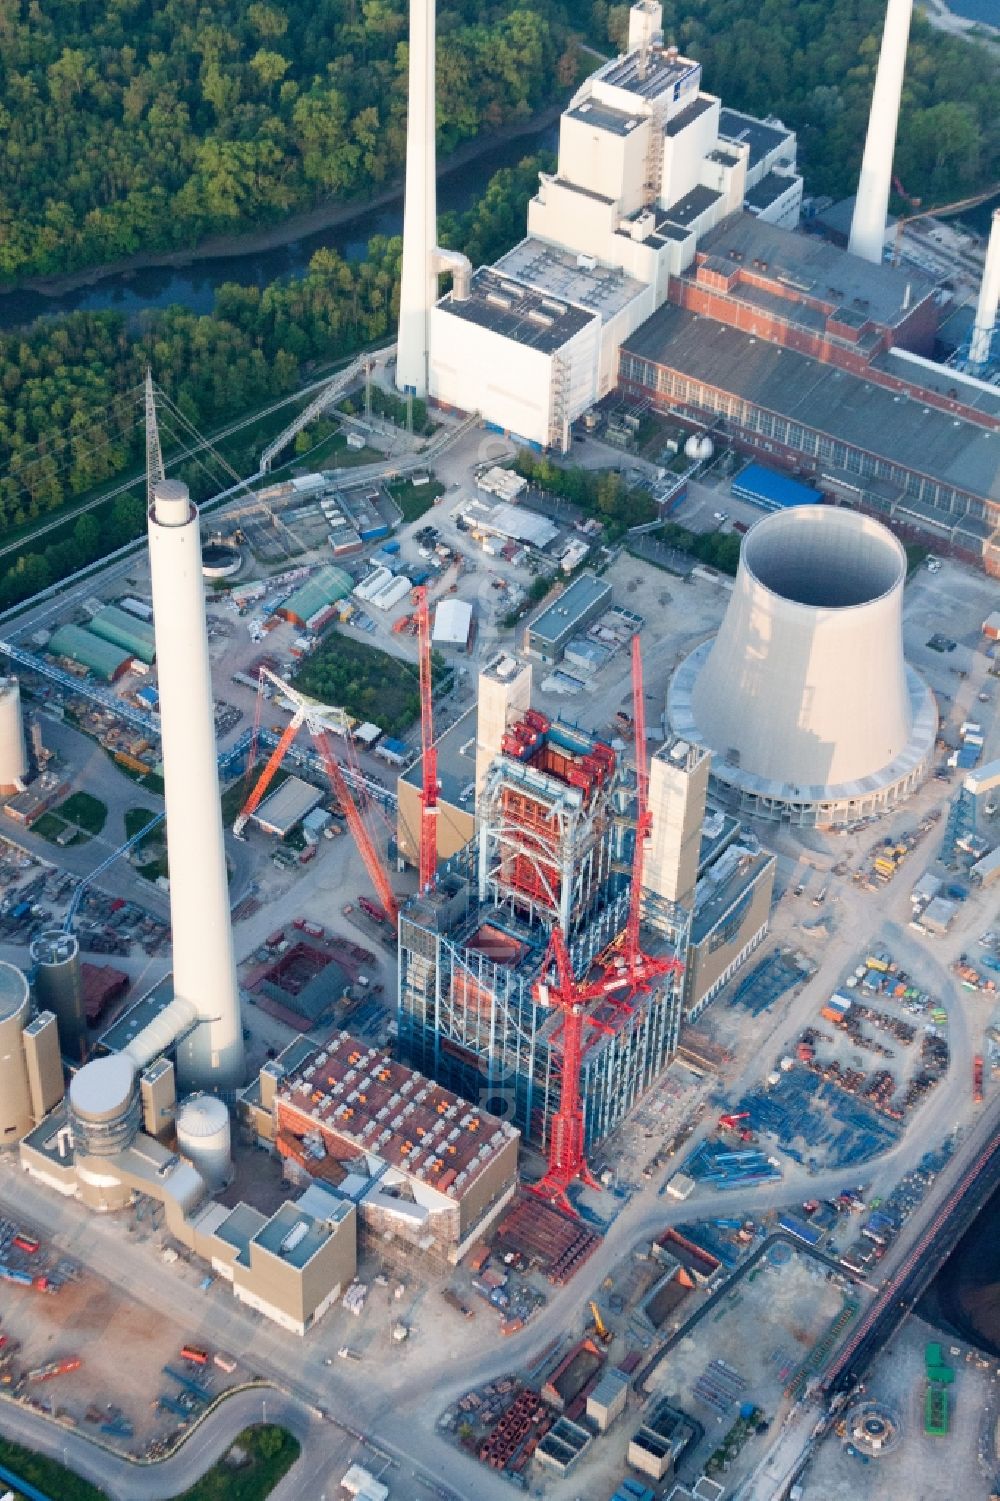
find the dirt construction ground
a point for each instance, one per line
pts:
(763, 1330)
(123, 1349)
(920, 1468)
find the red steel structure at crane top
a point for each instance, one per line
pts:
(309, 713)
(428, 759)
(625, 971)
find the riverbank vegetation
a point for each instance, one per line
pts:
(813, 64)
(131, 126)
(70, 414)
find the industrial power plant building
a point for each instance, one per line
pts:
(663, 260)
(111, 1141)
(427, 1171)
(548, 810)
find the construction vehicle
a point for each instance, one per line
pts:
(54, 1368)
(600, 1327)
(732, 1123)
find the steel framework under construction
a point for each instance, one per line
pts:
(554, 853)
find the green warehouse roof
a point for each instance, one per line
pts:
(133, 635)
(325, 587)
(90, 651)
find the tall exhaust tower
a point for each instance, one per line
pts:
(989, 299)
(210, 1052)
(872, 204)
(423, 258)
(418, 284)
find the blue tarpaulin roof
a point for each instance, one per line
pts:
(771, 490)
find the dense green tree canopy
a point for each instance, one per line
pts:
(69, 411)
(138, 125)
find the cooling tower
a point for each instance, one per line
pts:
(804, 697)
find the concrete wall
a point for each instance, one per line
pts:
(709, 968)
(571, 218)
(683, 153)
(44, 1064)
(499, 702)
(677, 790)
(603, 161)
(496, 1179)
(455, 824)
(476, 370)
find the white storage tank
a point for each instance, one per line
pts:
(699, 446)
(13, 754)
(204, 1137)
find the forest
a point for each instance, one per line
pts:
(131, 126)
(69, 397)
(146, 125)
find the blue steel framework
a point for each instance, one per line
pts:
(472, 1023)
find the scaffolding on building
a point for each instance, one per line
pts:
(553, 849)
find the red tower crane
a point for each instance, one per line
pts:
(625, 971)
(643, 817)
(428, 750)
(567, 1161)
(310, 713)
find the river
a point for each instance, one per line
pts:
(194, 285)
(964, 1298)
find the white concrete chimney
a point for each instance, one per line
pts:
(871, 208)
(989, 298)
(204, 971)
(418, 281)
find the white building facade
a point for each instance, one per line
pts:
(648, 163)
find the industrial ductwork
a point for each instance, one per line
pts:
(804, 697)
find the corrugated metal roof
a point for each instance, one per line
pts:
(288, 805)
(327, 585)
(452, 622)
(90, 651)
(127, 631)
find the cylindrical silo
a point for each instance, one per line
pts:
(59, 987)
(13, 754)
(210, 1055)
(15, 1093)
(204, 1138)
(104, 1107)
